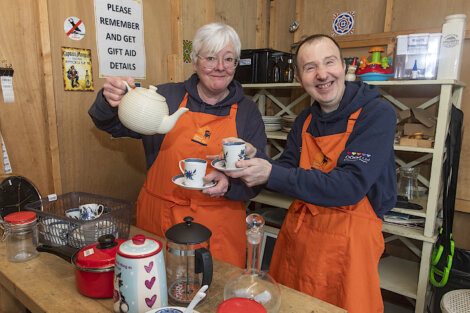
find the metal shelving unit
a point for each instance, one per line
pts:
(398, 275)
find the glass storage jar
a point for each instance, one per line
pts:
(21, 234)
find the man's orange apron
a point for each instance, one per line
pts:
(331, 253)
(162, 204)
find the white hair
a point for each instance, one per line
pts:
(213, 38)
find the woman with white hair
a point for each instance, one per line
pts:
(217, 109)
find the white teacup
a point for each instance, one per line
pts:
(194, 170)
(90, 211)
(73, 213)
(55, 231)
(233, 152)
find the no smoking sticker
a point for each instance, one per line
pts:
(74, 28)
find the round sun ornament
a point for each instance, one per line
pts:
(343, 23)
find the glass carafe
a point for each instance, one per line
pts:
(188, 260)
(408, 182)
(253, 283)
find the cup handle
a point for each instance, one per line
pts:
(181, 169)
(100, 210)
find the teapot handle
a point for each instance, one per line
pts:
(203, 263)
(127, 85)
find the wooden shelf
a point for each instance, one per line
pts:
(281, 201)
(404, 284)
(397, 275)
(274, 199)
(420, 82)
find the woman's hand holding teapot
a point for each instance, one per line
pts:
(114, 89)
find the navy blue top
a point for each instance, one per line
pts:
(353, 178)
(250, 126)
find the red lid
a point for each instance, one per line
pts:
(20, 218)
(98, 256)
(240, 305)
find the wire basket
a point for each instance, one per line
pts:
(58, 229)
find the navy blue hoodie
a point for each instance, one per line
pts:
(250, 126)
(353, 178)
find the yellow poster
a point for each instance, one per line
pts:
(76, 65)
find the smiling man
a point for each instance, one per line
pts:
(339, 165)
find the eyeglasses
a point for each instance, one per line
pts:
(210, 62)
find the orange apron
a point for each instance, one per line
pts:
(162, 204)
(331, 253)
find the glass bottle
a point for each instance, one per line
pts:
(87, 80)
(289, 72)
(276, 71)
(253, 283)
(408, 182)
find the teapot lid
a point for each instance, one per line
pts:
(188, 232)
(151, 93)
(140, 247)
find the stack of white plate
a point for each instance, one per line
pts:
(272, 123)
(287, 122)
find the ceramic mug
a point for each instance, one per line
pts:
(194, 170)
(90, 211)
(73, 213)
(233, 152)
(55, 231)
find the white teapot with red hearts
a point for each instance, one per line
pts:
(139, 276)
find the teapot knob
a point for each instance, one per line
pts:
(138, 239)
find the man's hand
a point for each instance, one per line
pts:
(255, 172)
(250, 150)
(114, 89)
(220, 188)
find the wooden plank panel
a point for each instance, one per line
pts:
(90, 161)
(317, 16)
(388, 16)
(281, 15)
(49, 99)
(230, 12)
(24, 123)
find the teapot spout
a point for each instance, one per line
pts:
(169, 121)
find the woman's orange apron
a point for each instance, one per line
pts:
(331, 253)
(162, 204)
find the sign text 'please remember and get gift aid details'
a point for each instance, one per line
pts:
(120, 38)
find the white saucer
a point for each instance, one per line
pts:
(179, 180)
(220, 166)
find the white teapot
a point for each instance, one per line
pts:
(146, 112)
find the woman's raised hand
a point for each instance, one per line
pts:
(114, 89)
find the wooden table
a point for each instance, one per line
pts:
(47, 284)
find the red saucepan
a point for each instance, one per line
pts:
(94, 266)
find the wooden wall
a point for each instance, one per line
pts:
(23, 123)
(52, 141)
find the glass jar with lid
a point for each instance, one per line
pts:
(20, 232)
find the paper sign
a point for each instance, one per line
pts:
(7, 89)
(6, 161)
(74, 28)
(120, 38)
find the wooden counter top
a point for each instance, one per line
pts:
(47, 284)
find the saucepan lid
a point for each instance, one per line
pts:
(98, 256)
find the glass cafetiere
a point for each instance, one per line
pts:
(188, 260)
